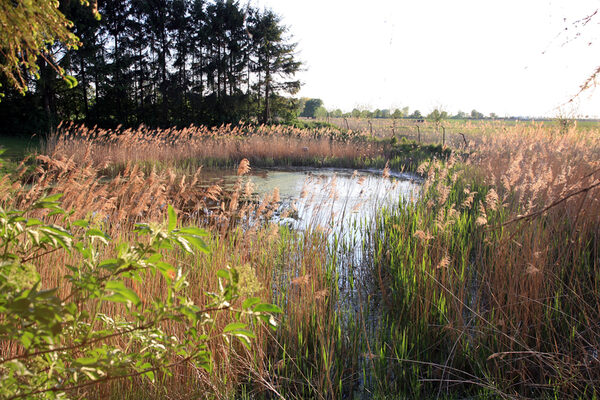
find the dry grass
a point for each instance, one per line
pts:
(194, 146)
(490, 281)
(241, 237)
(473, 130)
(498, 268)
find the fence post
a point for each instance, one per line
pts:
(443, 136)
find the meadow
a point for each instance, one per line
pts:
(458, 132)
(485, 284)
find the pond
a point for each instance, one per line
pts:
(330, 199)
(343, 204)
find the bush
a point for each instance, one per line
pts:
(58, 337)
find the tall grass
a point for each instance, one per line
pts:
(297, 270)
(226, 146)
(491, 278)
(484, 285)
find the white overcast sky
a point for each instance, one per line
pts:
(507, 57)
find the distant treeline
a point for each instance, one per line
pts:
(162, 63)
(313, 108)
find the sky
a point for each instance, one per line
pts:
(510, 57)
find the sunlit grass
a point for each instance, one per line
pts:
(484, 285)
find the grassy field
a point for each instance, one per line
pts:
(485, 286)
(428, 131)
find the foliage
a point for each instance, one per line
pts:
(310, 108)
(437, 115)
(274, 56)
(416, 114)
(28, 27)
(477, 115)
(63, 336)
(321, 113)
(409, 155)
(163, 63)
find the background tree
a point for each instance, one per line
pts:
(311, 107)
(437, 115)
(397, 114)
(416, 115)
(476, 115)
(274, 59)
(160, 63)
(321, 113)
(460, 115)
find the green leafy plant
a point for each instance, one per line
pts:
(58, 338)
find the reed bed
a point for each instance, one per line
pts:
(295, 270)
(490, 279)
(225, 146)
(484, 285)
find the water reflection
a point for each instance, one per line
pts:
(331, 199)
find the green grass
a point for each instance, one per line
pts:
(14, 149)
(441, 322)
(17, 147)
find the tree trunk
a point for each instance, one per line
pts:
(163, 71)
(267, 112)
(84, 85)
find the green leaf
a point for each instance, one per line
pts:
(172, 218)
(234, 326)
(184, 244)
(52, 198)
(197, 243)
(266, 307)
(33, 222)
(224, 273)
(70, 81)
(166, 269)
(86, 360)
(244, 336)
(143, 229)
(18, 367)
(82, 223)
(97, 233)
(122, 294)
(26, 339)
(57, 230)
(149, 375)
(110, 264)
(192, 230)
(248, 303)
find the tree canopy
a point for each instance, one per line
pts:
(153, 62)
(310, 108)
(28, 28)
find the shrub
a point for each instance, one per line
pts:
(58, 338)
